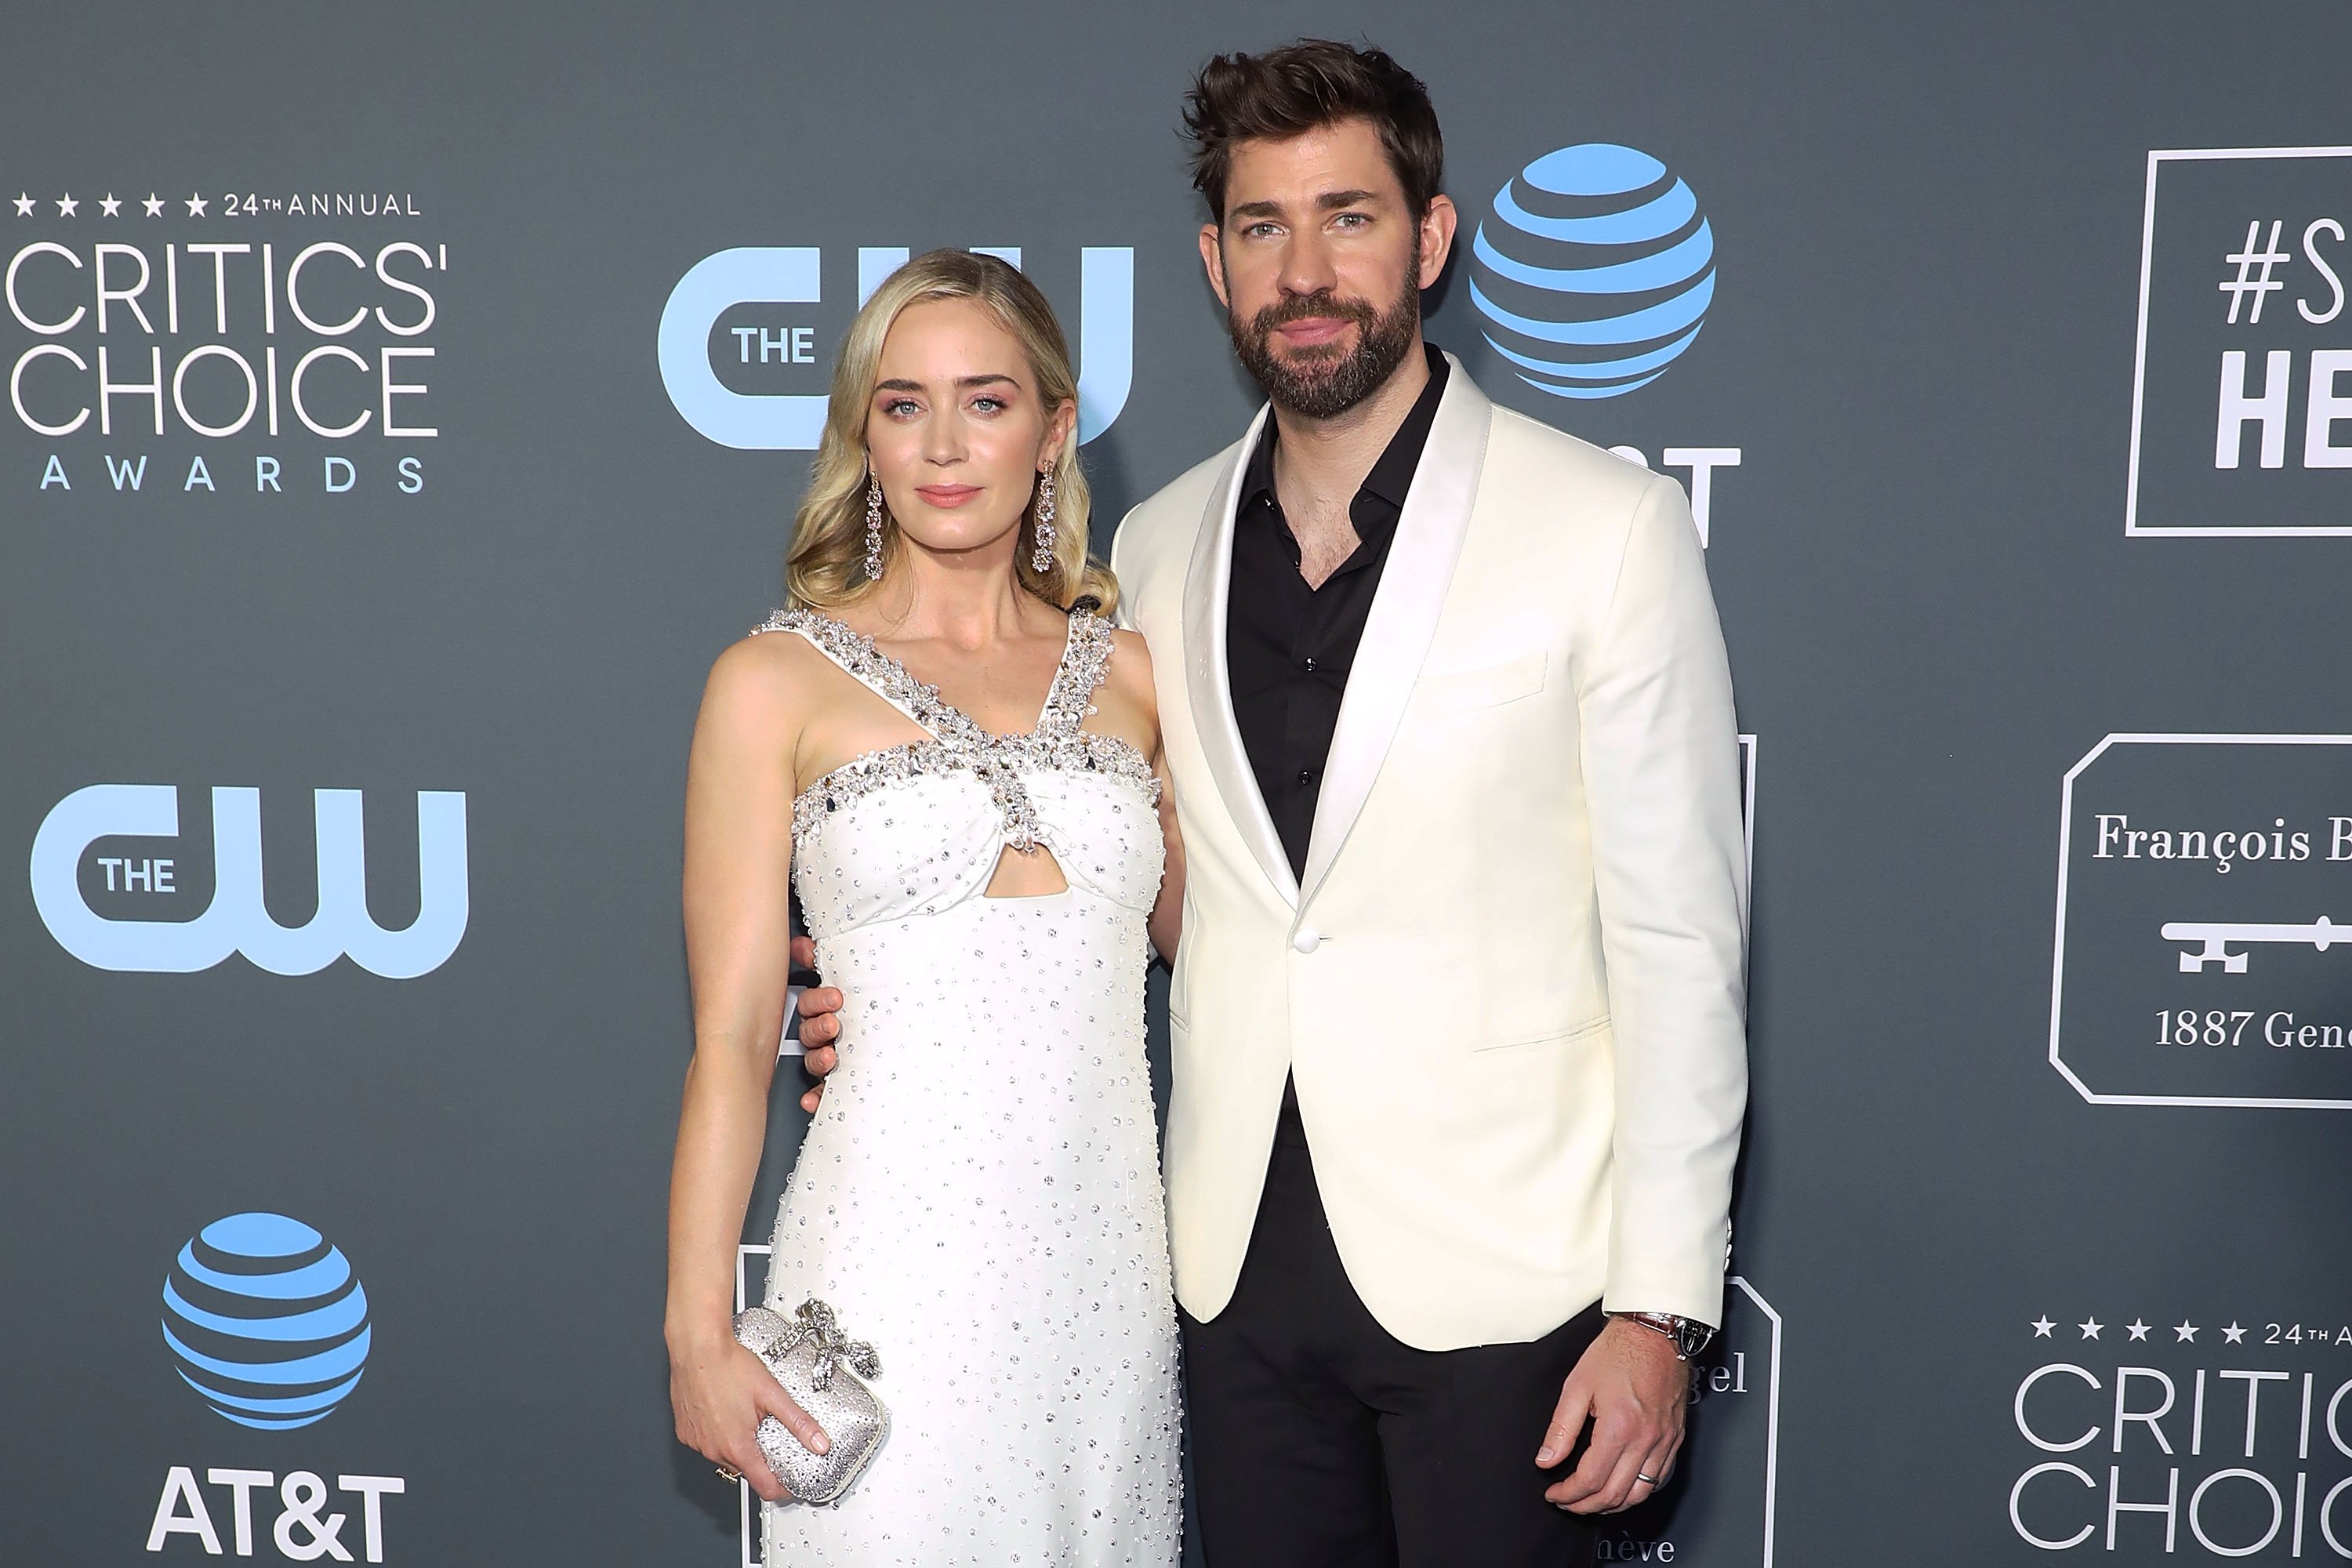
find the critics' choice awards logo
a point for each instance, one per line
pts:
(266, 1320)
(2204, 936)
(221, 342)
(113, 902)
(742, 332)
(1593, 272)
(2241, 397)
(2197, 1439)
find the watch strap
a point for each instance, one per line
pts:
(1688, 1335)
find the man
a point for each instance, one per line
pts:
(1442, 694)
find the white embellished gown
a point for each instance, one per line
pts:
(978, 1195)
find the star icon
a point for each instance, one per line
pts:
(2041, 1326)
(66, 206)
(24, 206)
(2184, 1333)
(2138, 1330)
(2090, 1327)
(154, 204)
(111, 205)
(2233, 1333)
(196, 206)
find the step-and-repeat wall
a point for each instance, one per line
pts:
(406, 404)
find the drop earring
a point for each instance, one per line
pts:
(872, 527)
(1040, 560)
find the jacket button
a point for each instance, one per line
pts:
(1306, 941)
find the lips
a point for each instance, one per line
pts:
(946, 495)
(1313, 331)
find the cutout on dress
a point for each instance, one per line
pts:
(1026, 874)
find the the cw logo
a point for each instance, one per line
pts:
(237, 920)
(788, 274)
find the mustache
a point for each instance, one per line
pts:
(1300, 306)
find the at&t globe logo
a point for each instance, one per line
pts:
(1595, 270)
(267, 1321)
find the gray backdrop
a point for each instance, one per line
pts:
(2023, 1271)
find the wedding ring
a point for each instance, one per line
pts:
(729, 1474)
(1638, 1477)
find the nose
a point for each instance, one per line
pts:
(1307, 266)
(943, 437)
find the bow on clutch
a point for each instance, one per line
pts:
(832, 1347)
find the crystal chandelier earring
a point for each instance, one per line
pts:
(1040, 560)
(872, 527)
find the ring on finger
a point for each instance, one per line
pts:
(729, 1474)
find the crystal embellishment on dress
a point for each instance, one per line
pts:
(979, 1192)
(1059, 743)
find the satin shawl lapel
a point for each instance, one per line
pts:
(1207, 586)
(1404, 615)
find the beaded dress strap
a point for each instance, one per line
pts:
(1086, 663)
(876, 671)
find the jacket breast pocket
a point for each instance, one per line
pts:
(1487, 686)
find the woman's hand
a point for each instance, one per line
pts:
(718, 1391)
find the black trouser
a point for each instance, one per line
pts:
(1321, 1441)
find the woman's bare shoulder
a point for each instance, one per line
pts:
(764, 680)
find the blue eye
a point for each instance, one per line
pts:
(898, 405)
(989, 405)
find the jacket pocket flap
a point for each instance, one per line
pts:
(1487, 686)
(1550, 1036)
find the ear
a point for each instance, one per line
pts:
(1436, 237)
(1213, 259)
(1057, 433)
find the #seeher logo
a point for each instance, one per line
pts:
(1593, 270)
(267, 1321)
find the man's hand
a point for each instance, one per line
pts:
(820, 1024)
(1637, 1392)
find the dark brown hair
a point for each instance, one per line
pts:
(1302, 87)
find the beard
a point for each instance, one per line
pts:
(1325, 381)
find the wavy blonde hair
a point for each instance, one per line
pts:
(825, 566)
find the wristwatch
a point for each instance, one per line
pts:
(1690, 1336)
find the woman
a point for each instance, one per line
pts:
(961, 773)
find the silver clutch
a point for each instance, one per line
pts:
(825, 1373)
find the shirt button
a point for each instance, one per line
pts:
(1310, 663)
(1306, 778)
(1306, 941)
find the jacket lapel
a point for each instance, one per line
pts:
(1403, 617)
(1208, 585)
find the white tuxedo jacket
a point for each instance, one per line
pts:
(1531, 809)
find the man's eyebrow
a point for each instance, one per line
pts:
(1329, 201)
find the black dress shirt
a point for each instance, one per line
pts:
(1289, 647)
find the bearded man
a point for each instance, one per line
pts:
(1443, 694)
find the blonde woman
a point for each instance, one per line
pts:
(944, 746)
